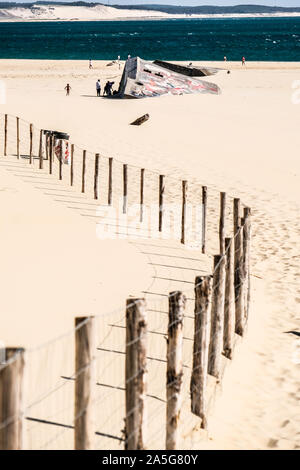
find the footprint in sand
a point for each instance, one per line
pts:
(272, 443)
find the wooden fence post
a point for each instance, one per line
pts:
(229, 324)
(85, 349)
(110, 170)
(50, 153)
(238, 260)
(236, 228)
(174, 367)
(183, 215)
(217, 317)
(11, 399)
(246, 250)
(136, 374)
(41, 151)
(204, 212)
(242, 285)
(161, 202)
(203, 289)
(47, 145)
(5, 135)
(31, 142)
(18, 137)
(238, 268)
(222, 222)
(72, 166)
(96, 176)
(60, 160)
(83, 171)
(124, 188)
(142, 194)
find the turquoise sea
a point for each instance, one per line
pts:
(271, 39)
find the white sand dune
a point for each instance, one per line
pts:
(103, 12)
(67, 13)
(243, 142)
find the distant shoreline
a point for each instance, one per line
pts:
(153, 18)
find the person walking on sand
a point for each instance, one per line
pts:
(90, 64)
(98, 87)
(68, 88)
(243, 61)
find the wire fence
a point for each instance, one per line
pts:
(45, 413)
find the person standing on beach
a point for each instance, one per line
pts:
(225, 58)
(67, 88)
(90, 64)
(243, 61)
(98, 87)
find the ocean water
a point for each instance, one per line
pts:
(269, 39)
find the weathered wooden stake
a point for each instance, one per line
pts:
(203, 289)
(5, 135)
(18, 137)
(31, 142)
(72, 166)
(142, 194)
(240, 301)
(217, 317)
(161, 202)
(124, 188)
(41, 151)
(11, 399)
(50, 153)
(47, 145)
(60, 160)
(85, 349)
(83, 171)
(183, 215)
(110, 170)
(238, 268)
(222, 222)
(229, 322)
(204, 212)
(136, 374)
(96, 176)
(236, 227)
(177, 303)
(246, 258)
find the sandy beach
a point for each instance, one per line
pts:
(244, 142)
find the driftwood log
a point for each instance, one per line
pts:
(140, 120)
